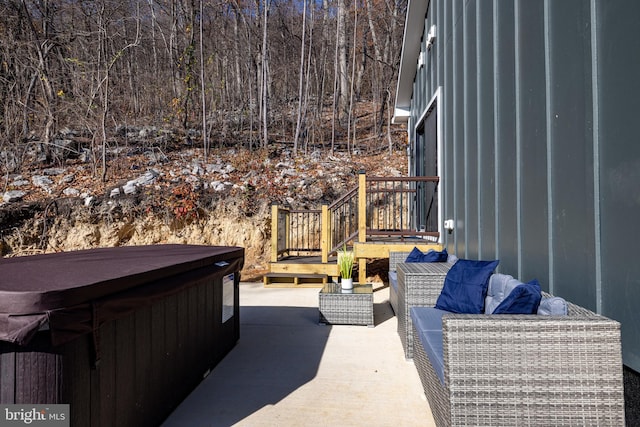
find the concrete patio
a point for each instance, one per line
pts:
(288, 370)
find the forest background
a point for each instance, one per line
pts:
(228, 105)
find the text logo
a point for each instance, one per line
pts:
(34, 415)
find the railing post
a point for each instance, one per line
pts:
(325, 236)
(362, 223)
(287, 232)
(362, 207)
(274, 232)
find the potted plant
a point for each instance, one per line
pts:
(346, 260)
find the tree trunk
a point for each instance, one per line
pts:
(305, 108)
(236, 47)
(343, 99)
(301, 79)
(265, 75)
(351, 91)
(203, 92)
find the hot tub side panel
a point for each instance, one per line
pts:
(146, 362)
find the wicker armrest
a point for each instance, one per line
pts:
(419, 285)
(546, 370)
(396, 258)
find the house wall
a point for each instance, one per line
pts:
(541, 155)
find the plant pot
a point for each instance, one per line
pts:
(346, 283)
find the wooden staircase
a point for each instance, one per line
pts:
(371, 220)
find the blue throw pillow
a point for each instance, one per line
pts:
(416, 255)
(465, 286)
(523, 299)
(553, 306)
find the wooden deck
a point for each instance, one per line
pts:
(310, 271)
(300, 272)
(295, 280)
(380, 247)
(372, 220)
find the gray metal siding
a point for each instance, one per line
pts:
(458, 130)
(571, 152)
(486, 135)
(618, 41)
(530, 140)
(540, 103)
(447, 179)
(470, 171)
(504, 84)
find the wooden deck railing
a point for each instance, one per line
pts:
(379, 206)
(392, 208)
(295, 232)
(279, 232)
(343, 220)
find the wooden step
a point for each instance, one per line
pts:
(294, 280)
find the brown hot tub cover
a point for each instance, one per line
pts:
(73, 293)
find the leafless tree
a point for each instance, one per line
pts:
(265, 73)
(239, 71)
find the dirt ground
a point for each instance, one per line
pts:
(225, 200)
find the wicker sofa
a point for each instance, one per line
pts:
(509, 370)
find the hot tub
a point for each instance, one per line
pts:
(122, 334)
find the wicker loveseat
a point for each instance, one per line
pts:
(510, 370)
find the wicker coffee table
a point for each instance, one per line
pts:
(346, 307)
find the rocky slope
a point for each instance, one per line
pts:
(158, 195)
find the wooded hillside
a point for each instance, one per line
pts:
(228, 73)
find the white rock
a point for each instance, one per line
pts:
(54, 171)
(114, 193)
(71, 192)
(314, 193)
(13, 196)
(130, 188)
(67, 179)
(149, 177)
(197, 170)
(218, 186)
(42, 181)
(214, 168)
